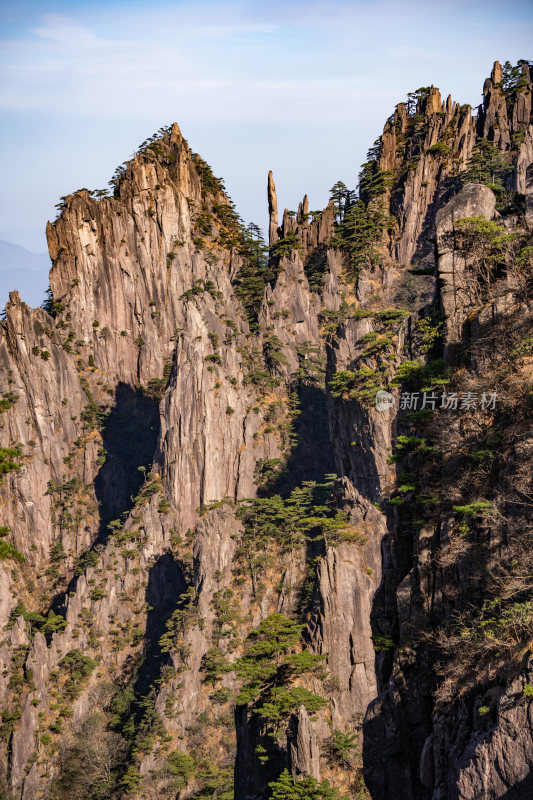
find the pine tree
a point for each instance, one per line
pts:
(341, 197)
(487, 165)
(513, 78)
(273, 658)
(288, 788)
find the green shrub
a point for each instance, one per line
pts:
(221, 696)
(284, 247)
(478, 507)
(282, 700)
(341, 746)
(77, 664)
(439, 148)
(9, 460)
(487, 164)
(383, 643)
(392, 314)
(92, 416)
(89, 558)
(8, 400)
(47, 625)
(361, 221)
(378, 344)
(395, 501)
(430, 331)
(361, 385)
(271, 660)
(430, 376)
(408, 445)
(214, 665)
(164, 506)
(78, 668)
(131, 780)
(186, 614)
(523, 349)
(306, 514)
(493, 636)
(8, 551)
(182, 766)
(288, 788)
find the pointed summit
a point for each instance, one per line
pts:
(272, 210)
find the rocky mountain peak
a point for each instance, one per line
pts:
(264, 511)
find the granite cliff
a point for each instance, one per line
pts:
(224, 572)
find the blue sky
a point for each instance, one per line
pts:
(300, 88)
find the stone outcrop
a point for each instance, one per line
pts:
(529, 195)
(304, 753)
(492, 758)
(422, 150)
(504, 118)
(457, 292)
(272, 210)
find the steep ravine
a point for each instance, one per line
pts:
(222, 566)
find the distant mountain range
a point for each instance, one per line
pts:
(20, 269)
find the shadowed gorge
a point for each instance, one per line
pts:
(129, 438)
(311, 455)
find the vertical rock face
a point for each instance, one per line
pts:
(346, 581)
(487, 761)
(441, 724)
(192, 449)
(419, 149)
(123, 263)
(495, 124)
(505, 117)
(529, 196)
(272, 210)
(44, 419)
(458, 294)
(304, 752)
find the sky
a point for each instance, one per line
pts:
(302, 88)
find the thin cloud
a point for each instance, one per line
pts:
(300, 87)
(70, 67)
(65, 32)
